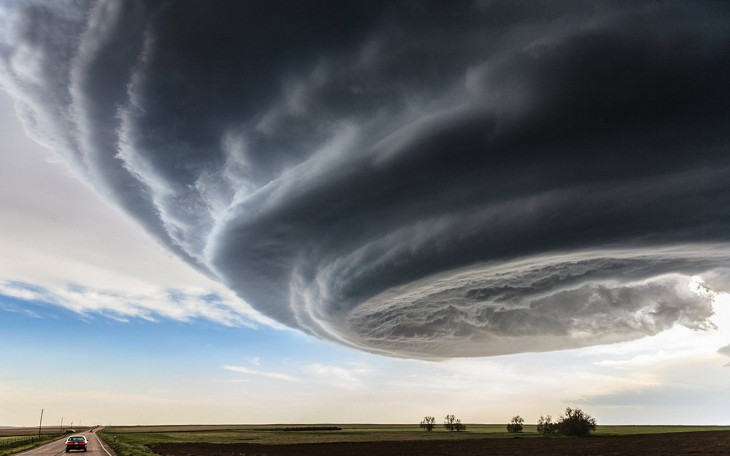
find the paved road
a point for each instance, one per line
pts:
(57, 448)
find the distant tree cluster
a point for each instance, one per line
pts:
(451, 423)
(575, 422)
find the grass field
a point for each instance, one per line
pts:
(30, 431)
(132, 440)
(15, 441)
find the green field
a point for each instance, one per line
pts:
(10, 444)
(16, 439)
(131, 440)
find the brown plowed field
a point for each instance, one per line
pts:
(681, 443)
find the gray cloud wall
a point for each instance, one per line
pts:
(385, 174)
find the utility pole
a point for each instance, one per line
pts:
(40, 425)
(61, 424)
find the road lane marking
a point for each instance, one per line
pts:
(101, 444)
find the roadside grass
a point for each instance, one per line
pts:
(15, 444)
(131, 441)
(126, 444)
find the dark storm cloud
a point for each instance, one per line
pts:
(418, 179)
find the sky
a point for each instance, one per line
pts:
(338, 212)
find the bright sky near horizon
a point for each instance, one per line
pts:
(243, 217)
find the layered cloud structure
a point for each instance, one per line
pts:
(416, 179)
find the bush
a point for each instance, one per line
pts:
(516, 424)
(576, 422)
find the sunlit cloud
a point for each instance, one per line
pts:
(258, 373)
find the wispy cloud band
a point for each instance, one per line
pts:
(178, 305)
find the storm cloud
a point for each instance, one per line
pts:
(425, 179)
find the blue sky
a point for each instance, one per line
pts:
(355, 232)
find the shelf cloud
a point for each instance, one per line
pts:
(415, 179)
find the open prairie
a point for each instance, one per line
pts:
(29, 431)
(405, 440)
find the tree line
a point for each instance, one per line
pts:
(575, 422)
(451, 423)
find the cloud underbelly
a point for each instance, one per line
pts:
(549, 303)
(484, 281)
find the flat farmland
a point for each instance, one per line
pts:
(408, 440)
(29, 431)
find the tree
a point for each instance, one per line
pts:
(428, 423)
(576, 422)
(453, 424)
(449, 422)
(546, 426)
(516, 424)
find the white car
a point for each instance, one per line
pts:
(76, 442)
